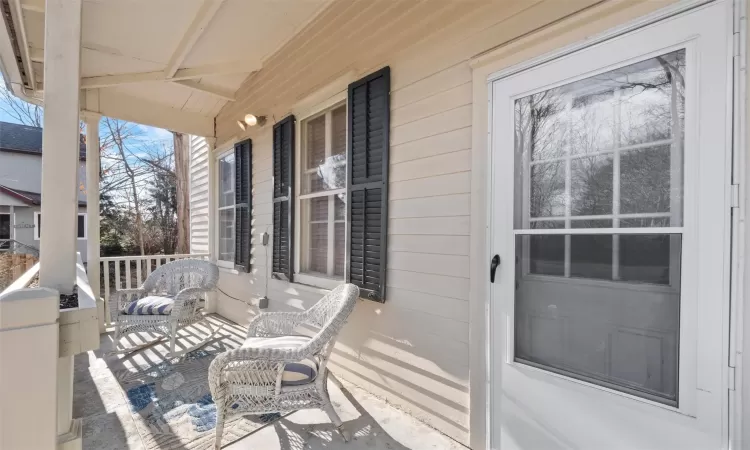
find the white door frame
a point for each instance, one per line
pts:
(577, 32)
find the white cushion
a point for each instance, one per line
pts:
(296, 373)
(151, 305)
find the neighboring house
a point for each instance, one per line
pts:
(21, 186)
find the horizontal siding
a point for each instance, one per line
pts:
(199, 195)
(413, 349)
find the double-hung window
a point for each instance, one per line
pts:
(226, 209)
(322, 194)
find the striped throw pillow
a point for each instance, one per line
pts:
(151, 305)
(296, 373)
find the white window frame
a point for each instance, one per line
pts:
(217, 237)
(615, 152)
(37, 237)
(318, 280)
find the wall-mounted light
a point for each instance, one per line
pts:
(250, 121)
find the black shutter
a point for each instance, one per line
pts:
(283, 198)
(243, 199)
(367, 187)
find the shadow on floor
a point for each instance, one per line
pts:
(365, 430)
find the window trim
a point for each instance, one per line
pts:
(217, 236)
(85, 237)
(307, 113)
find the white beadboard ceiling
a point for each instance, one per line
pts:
(172, 56)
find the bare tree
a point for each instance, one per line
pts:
(23, 112)
(118, 130)
(183, 198)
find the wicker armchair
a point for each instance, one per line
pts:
(186, 282)
(251, 379)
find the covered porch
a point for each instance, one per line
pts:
(61, 385)
(107, 396)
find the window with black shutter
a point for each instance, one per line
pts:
(283, 198)
(243, 169)
(367, 187)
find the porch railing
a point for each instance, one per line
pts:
(13, 246)
(125, 272)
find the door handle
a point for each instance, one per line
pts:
(493, 267)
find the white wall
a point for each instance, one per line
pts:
(414, 350)
(24, 171)
(25, 216)
(198, 194)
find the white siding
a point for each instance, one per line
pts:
(413, 349)
(199, 194)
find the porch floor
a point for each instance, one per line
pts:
(105, 398)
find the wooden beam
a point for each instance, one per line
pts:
(181, 74)
(216, 92)
(202, 18)
(111, 103)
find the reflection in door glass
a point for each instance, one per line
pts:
(603, 158)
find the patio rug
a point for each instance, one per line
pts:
(170, 400)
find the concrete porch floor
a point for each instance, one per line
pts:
(109, 423)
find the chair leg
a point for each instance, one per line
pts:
(117, 335)
(173, 338)
(333, 415)
(220, 414)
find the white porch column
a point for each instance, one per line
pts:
(60, 144)
(92, 208)
(211, 299)
(60, 159)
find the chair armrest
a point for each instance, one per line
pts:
(124, 297)
(185, 295)
(274, 324)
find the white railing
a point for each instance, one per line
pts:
(126, 272)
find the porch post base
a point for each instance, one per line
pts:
(73, 438)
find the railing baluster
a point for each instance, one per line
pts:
(158, 261)
(148, 266)
(105, 271)
(138, 277)
(118, 284)
(127, 273)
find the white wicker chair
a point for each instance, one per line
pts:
(249, 380)
(186, 281)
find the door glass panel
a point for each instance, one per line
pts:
(602, 157)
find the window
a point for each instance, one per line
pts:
(80, 226)
(598, 217)
(4, 230)
(322, 194)
(226, 207)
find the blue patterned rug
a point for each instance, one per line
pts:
(171, 403)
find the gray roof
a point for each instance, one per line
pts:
(26, 139)
(28, 197)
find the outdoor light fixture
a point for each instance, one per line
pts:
(251, 121)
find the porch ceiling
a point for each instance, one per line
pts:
(168, 63)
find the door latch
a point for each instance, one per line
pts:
(493, 267)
